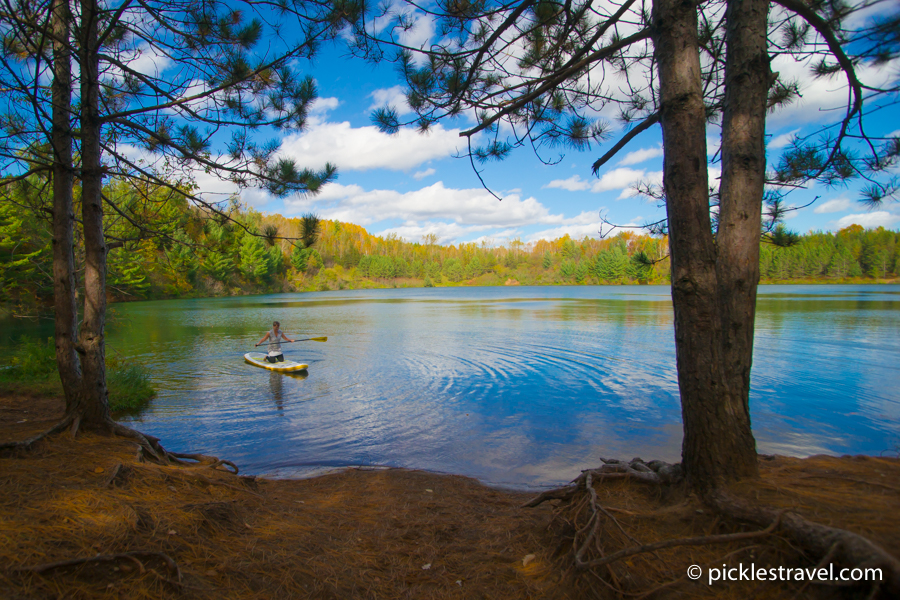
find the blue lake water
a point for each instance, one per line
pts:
(516, 386)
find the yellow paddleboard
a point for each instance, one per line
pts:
(258, 359)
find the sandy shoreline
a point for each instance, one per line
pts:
(177, 532)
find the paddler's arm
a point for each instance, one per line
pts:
(265, 337)
(286, 338)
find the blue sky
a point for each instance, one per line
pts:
(411, 184)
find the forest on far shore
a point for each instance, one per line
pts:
(173, 250)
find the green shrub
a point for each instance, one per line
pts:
(31, 361)
(129, 386)
(32, 366)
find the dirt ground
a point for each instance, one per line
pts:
(135, 530)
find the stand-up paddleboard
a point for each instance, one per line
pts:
(258, 359)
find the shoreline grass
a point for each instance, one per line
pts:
(32, 370)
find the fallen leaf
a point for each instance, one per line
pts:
(426, 566)
(173, 532)
(98, 470)
(430, 491)
(528, 558)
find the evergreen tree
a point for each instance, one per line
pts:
(473, 269)
(453, 269)
(254, 259)
(300, 258)
(689, 75)
(217, 79)
(24, 256)
(581, 271)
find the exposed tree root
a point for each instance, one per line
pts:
(104, 558)
(826, 545)
(847, 548)
(693, 541)
(150, 448)
(30, 442)
(654, 472)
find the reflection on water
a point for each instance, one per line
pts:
(517, 386)
(276, 385)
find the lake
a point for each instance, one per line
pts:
(517, 386)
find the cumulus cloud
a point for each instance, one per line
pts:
(879, 218)
(323, 105)
(578, 231)
(451, 214)
(782, 140)
(144, 59)
(836, 205)
(467, 207)
(447, 233)
(392, 96)
(622, 178)
(423, 174)
(639, 156)
(365, 148)
(573, 184)
(823, 98)
(618, 179)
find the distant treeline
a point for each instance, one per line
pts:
(169, 249)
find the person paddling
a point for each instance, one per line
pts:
(275, 336)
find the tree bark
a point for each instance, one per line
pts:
(65, 308)
(747, 81)
(95, 410)
(715, 447)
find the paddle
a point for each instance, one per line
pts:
(324, 338)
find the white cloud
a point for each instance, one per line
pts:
(639, 156)
(573, 184)
(364, 148)
(782, 140)
(336, 191)
(622, 178)
(146, 60)
(466, 207)
(392, 96)
(447, 233)
(423, 174)
(653, 178)
(618, 179)
(323, 105)
(578, 231)
(880, 218)
(836, 205)
(823, 98)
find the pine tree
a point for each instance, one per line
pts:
(697, 63)
(217, 80)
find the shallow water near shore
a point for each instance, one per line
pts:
(516, 386)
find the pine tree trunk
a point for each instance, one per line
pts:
(747, 76)
(95, 411)
(714, 448)
(65, 308)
